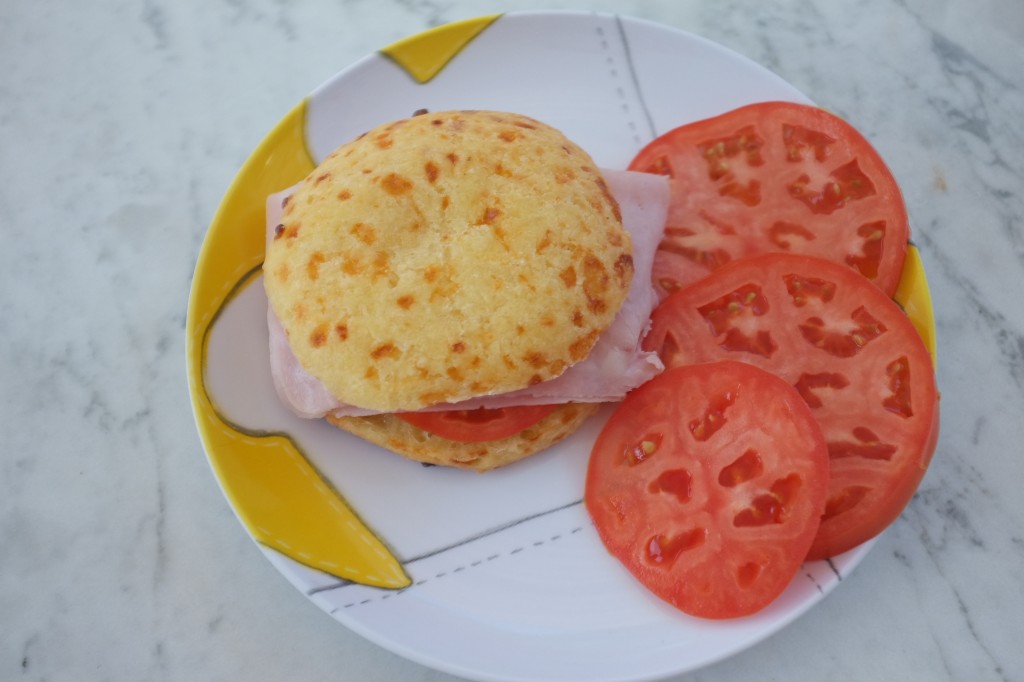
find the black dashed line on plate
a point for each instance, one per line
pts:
(814, 581)
(633, 78)
(457, 569)
(619, 90)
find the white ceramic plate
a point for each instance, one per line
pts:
(509, 578)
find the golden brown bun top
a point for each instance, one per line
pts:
(446, 256)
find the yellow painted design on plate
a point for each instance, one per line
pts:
(279, 497)
(912, 293)
(425, 54)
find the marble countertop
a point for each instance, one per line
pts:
(121, 125)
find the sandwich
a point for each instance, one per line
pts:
(459, 267)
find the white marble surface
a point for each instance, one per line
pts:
(121, 124)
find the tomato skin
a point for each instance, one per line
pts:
(775, 176)
(707, 483)
(837, 538)
(847, 348)
(478, 425)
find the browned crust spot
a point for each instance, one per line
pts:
(351, 265)
(313, 265)
(544, 243)
(624, 269)
(535, 359)
(595, 283)
(385, 351)
(581, 346)
(318, 337)
(564, 174)
(364, 233)
(603, 186)
(490, 215)
(395, 184)
(433, 397)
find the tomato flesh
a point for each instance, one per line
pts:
(775, 176)
(848, 350)
(708, 483)
(480, 424)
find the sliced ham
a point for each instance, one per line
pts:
(615, 365)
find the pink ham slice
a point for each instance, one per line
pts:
(614, 367)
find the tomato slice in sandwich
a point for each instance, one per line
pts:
(708, 483)
(849, 350)
(480, 424)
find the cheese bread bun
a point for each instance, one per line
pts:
(444, 257)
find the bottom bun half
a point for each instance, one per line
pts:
(401, 437)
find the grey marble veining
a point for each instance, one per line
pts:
(121, 125)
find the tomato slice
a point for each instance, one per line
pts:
(851, 353)
(480, 424)
(775, 176)
(708, 484)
